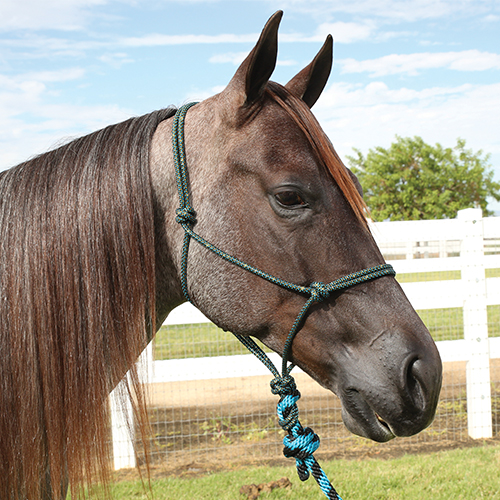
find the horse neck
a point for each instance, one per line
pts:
(201, 136)
(168, 234)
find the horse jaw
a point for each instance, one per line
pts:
(385, 369)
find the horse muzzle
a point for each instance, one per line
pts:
(396, 399)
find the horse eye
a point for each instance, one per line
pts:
(289, 198)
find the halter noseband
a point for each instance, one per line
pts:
(300, 443)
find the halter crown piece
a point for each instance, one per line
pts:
(300, 443)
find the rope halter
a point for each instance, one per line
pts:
(300, 443)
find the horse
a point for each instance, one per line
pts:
(91, 258)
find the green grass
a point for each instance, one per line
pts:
(194, 341)
(439, 276)
(461, 474)
(447, 324)
(428, 276)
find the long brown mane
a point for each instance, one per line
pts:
(325, 152)
(77, 303)
(77, 296)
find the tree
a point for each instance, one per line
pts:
(413, 180)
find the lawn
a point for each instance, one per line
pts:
(194, 341)
(469, 473)
(459, 474)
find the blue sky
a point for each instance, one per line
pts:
(413, 67)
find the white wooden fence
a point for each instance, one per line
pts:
(466, 243)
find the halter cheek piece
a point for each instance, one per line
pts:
(300, 442)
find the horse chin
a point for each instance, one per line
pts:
(362, 420)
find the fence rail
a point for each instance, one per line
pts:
(466, 244)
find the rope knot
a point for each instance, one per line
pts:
(185, 215)
(284, 386)
(319, 291)
(288, 412)
(301, 445)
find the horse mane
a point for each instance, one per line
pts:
(77, 296)
(77, 304)
(298, 110)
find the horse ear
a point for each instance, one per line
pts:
(254, 73)
(310, 82)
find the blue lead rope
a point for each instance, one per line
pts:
(299, 443)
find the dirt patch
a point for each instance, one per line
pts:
(194, 435)
(253, 491)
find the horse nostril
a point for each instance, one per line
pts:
(415, 382)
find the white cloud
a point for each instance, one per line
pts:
(32, 46)
(286, 62)
(234, 58)
(346, 32)
(62, 75)
(377, 93)
(467, 60)
(199, 95)
(29, 124)
(46, 14)
(343, 32)
(76, 14)
(116, 59)
(366, 116)
(158, 39)
(21, 138)
(492, 18)
(389, 10)
(22, 93)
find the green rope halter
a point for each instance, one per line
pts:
(300, 443)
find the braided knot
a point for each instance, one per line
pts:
(301, 445)
(319, 291)
(288, 412)
(283, 386)
(185, 215)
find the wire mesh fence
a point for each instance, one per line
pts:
(234, 420)
(218, 419)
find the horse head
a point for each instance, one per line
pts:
(268, 188)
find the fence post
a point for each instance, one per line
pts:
(475, 317)
(121, 417)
